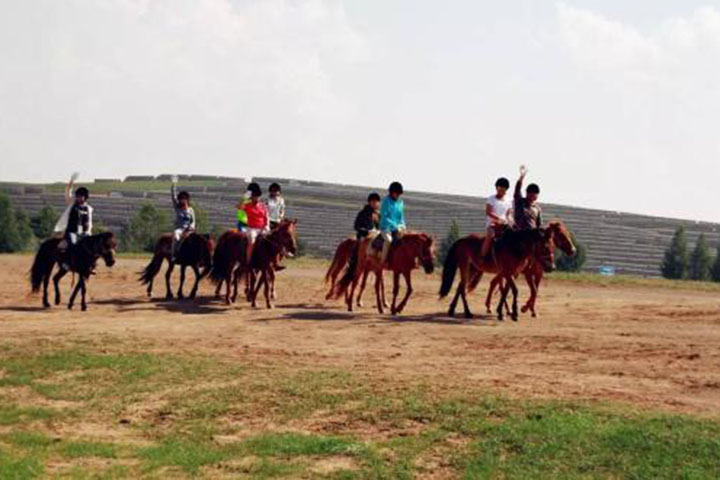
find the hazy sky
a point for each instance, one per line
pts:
(612, 104)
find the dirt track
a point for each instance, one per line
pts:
(650, 347)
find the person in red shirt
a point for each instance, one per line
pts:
(257, 217)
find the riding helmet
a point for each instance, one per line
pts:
(82, 192)
(183, 195)
(373, 196)
(502, 182)
(396, 187)
(274, 186)
(254, 189)
(533, 188)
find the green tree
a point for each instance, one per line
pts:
(25, 233)
(43, 223)
(575, 263)
(715, 272)
(9, 236)
(202, 222)
(700, 260)
(675, 263)
(143, 230)
(452, 236)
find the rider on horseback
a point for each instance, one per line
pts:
(257, 218)
(79, 221)
(367, 219)
(497, 210)
(184, 216)
(527, 213)
(275, 205)
(392, 217)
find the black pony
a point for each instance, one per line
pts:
(82, 261)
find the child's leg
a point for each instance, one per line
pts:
(489, 237)
(177, 233)
(388, 238)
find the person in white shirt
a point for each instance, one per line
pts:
(498, 212)
(275, 205)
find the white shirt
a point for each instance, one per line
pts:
(499, 208)
(276, 208)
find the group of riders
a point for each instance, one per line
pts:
(381, 222)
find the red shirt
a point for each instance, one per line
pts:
(256, 215)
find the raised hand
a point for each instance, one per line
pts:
(523, 170)
(174, 179)
(74, 177)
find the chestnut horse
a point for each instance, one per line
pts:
(534, 273)
(195, 251)
(85, 256)
(230, 265)
(343, 255)
(405, 254)
(464, 255)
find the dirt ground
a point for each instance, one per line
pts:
(655, 348)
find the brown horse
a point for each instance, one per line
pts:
(83, 261)
(534, 273)
(268, 248)
(343, 255)
(230, 265)
(195, 251)
(405, 254)
(464, 256)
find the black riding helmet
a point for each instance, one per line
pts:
(254, 189)
(82, 192)
(502, 182)
(274, 186)
(373, 196)
(396, 187)
(533, 188)
(183, 195)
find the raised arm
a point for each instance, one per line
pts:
(519, 184)
(69, 188)
(173, 191)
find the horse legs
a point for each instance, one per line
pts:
(75, 292)
(168, 274)
(409, 290)
(255, 289)
(513, 287)
(180, 295)
(194, 290)
(362, 289)
(379, 291)
(218, 288)
(533, 280)
(269, 288)
(395, 291)
(83, 291)
(56, 283)
(504, 289)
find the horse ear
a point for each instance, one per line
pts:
(294, 221)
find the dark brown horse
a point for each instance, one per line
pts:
(464, 256)
(343, 255)
(268, 248)
(82, 261)
(405, 255)
(534, 273)
(195, 251)
(230, 265)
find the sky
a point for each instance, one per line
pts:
(611, 104)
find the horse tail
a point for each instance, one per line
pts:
(349, 274)
(152, 268)
(43, 262)
(339, 260)
(449, 268)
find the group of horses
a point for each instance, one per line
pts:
(528, 253)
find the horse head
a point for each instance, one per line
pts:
(104, 246)
(562, 238)
(426, 252)
(285, 235)
(545, 249)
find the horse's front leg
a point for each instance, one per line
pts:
(514, 289)
(56, 283)
(268, 287)
(75, 291)
(382, 289)
(180, 295)
(218, 288)
(168, 274)
(395, 291)
(271, 275)
(194, 290)
(409, 290)
(462, 288)
(491, 291)
(378, 291)
(83, 292)
(255, 288)
(504, 289)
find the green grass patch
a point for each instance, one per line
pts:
(11, 414)
(633, 281)
(89, 449)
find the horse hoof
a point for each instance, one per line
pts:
(46, 305)
(469, 316)
(524, 309)
(514, 318)
(69, 306)
(360, 304)
(168, 297)
(83, 308)
(534, 315)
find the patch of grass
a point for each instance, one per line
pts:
(89, 449)
(29, 440)
(188, 455)
(633, 281)
(14, 468)
(293, 444)
(11, 414)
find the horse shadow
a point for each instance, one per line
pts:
(444, 319)
(24, 308)
(197, 306)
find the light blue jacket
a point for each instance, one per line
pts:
(392, 214)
